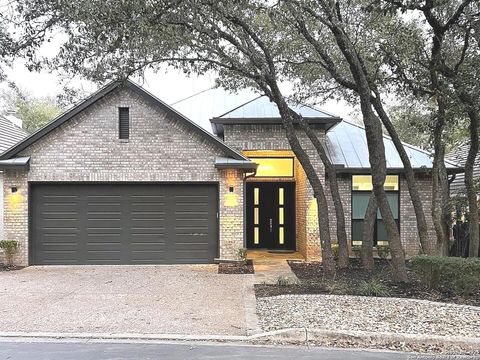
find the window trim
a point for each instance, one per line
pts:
(375, 234)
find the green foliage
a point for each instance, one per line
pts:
(373, 288)
(9, 247)
(443, 272)
(357, 251)
(383, 251)
(36, 112)
(242, 256)
(335, 250)
(284, 281)
(336, 287)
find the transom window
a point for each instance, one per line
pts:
(361, 192)
(274, 166)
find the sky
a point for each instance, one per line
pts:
(193, 96)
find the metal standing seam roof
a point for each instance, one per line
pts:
(347, 146)
(346, 143)
(262, 107)
(10, 134)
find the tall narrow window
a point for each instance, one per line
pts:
(124, 123)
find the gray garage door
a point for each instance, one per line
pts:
(123, 223)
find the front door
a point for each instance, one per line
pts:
(271, 215)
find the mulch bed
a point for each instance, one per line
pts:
(347, 282)
(236, 268)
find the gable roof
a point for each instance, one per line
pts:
(261, 110)
(346, 143)
(55, 123)
(10, 134)
(347, 146)
(457, 186)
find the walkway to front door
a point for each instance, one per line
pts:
(270, 267)
(270, 215)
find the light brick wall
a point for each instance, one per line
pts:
(87, 148)
(408, 222)
(272, 137)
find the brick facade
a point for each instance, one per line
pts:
(163, 149)
(87, 148)
(272, 137)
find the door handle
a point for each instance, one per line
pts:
(271, 225)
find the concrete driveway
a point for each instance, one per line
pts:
(186, 299)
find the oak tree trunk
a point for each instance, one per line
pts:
(368, 233)
(328, 260)
(343, 255)
(422, 227)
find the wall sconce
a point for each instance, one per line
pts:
(14, 189)
(230, 189)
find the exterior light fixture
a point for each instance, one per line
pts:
(230, 189)
(14, 189)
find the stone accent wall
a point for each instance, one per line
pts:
(408, 222)
(87, 148)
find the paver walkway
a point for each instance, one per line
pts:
(270, 267)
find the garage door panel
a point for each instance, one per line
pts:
(123, 223)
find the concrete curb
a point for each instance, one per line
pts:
(293, 335)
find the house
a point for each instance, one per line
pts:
(459, 156)
(11, 132)
(123, 178)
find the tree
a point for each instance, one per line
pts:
(237, 39)
(352, 21)
(451, 65)
(34, 112)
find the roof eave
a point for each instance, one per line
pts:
(15, 163)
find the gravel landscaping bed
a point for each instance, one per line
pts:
(357, 313)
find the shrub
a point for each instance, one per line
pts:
(441, 271)
(357, 251)
(373, 288)
(335, 250)
(9, 248)
(383, 251)
(242, 256)
(284, 281)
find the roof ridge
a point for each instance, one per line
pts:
(238, 107)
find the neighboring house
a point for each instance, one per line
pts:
(457, 186)
(123, 178)
(11, 132)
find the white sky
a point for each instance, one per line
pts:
(170, 86)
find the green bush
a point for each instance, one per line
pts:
(9, 248)
(335, 250)
(383, 251)
(373, 288)
(242, 256)
(462, 276)
(357, 251)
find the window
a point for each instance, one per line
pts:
(124, 123)
(274, 167)
(361, 191)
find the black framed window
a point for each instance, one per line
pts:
(361, 192)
